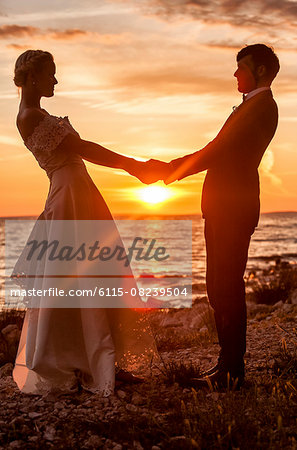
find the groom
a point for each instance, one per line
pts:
(230, 204)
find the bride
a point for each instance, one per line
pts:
(69, 348)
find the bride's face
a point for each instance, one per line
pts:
(45, 80)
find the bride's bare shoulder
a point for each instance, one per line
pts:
(27, 120)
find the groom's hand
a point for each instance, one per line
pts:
(171, 175)
(168, 172)
(148, 172)
(157, 169)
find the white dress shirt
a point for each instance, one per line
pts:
(255, 92)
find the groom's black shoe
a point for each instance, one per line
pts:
(219, 380)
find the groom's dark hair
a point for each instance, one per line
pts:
(262, 55)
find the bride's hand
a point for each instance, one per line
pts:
(150, 171)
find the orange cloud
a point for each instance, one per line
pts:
(7, 31)
(66, 34)
(19, 46)
(235, 12)
(16, 31)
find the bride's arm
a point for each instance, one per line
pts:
(102, 156)
(30, 119)
(97, 154)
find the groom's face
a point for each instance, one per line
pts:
(246, 81)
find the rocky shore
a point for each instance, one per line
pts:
(161, 413)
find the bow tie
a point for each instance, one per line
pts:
(234, 108)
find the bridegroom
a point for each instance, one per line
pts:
(230, 204)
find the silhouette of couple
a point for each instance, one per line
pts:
(230, 207)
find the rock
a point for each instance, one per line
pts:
(16, 444)
(137, 445)
(40, 402)
(117, 447)
(121, 394)
(178, 439)
(50, 433)
(204, 329)
(214, 396)
(6, 370)
(34, 415)
(50, 397)
(278, 304)
(12, 405)
(171, 321)
(156, 447)
(185, 391)
(137, 399)
(287, 307)
(11, 333)
(131, 408)
(59, 405)
(94, 441)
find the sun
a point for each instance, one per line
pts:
(154, 194)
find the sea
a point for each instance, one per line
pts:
(275, 238)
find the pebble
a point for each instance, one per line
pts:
(121, 394)
(59, 405)
(49, 433)
(16, 444)
(11, 404)
(6, 370)
(203, 329)
(131, 408)
(137, 445)
(137, 399)
(34, 415)
(287, 307)
(263, 340)
(94, 441)
(214, 396)
(178, 439)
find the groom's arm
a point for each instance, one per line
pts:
(241, 139)
(188, 165)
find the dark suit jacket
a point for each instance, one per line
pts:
(231, 186)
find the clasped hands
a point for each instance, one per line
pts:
(153, 170)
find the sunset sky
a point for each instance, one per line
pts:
(146, 78)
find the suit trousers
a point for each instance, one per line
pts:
(227, 242)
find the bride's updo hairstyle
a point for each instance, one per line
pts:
(31, 60)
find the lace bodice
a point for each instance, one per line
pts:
(45, 139)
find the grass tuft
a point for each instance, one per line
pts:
(275, 284)
(179, 372)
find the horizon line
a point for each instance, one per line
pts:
(150, 214)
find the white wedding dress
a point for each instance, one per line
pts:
(61, 348)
